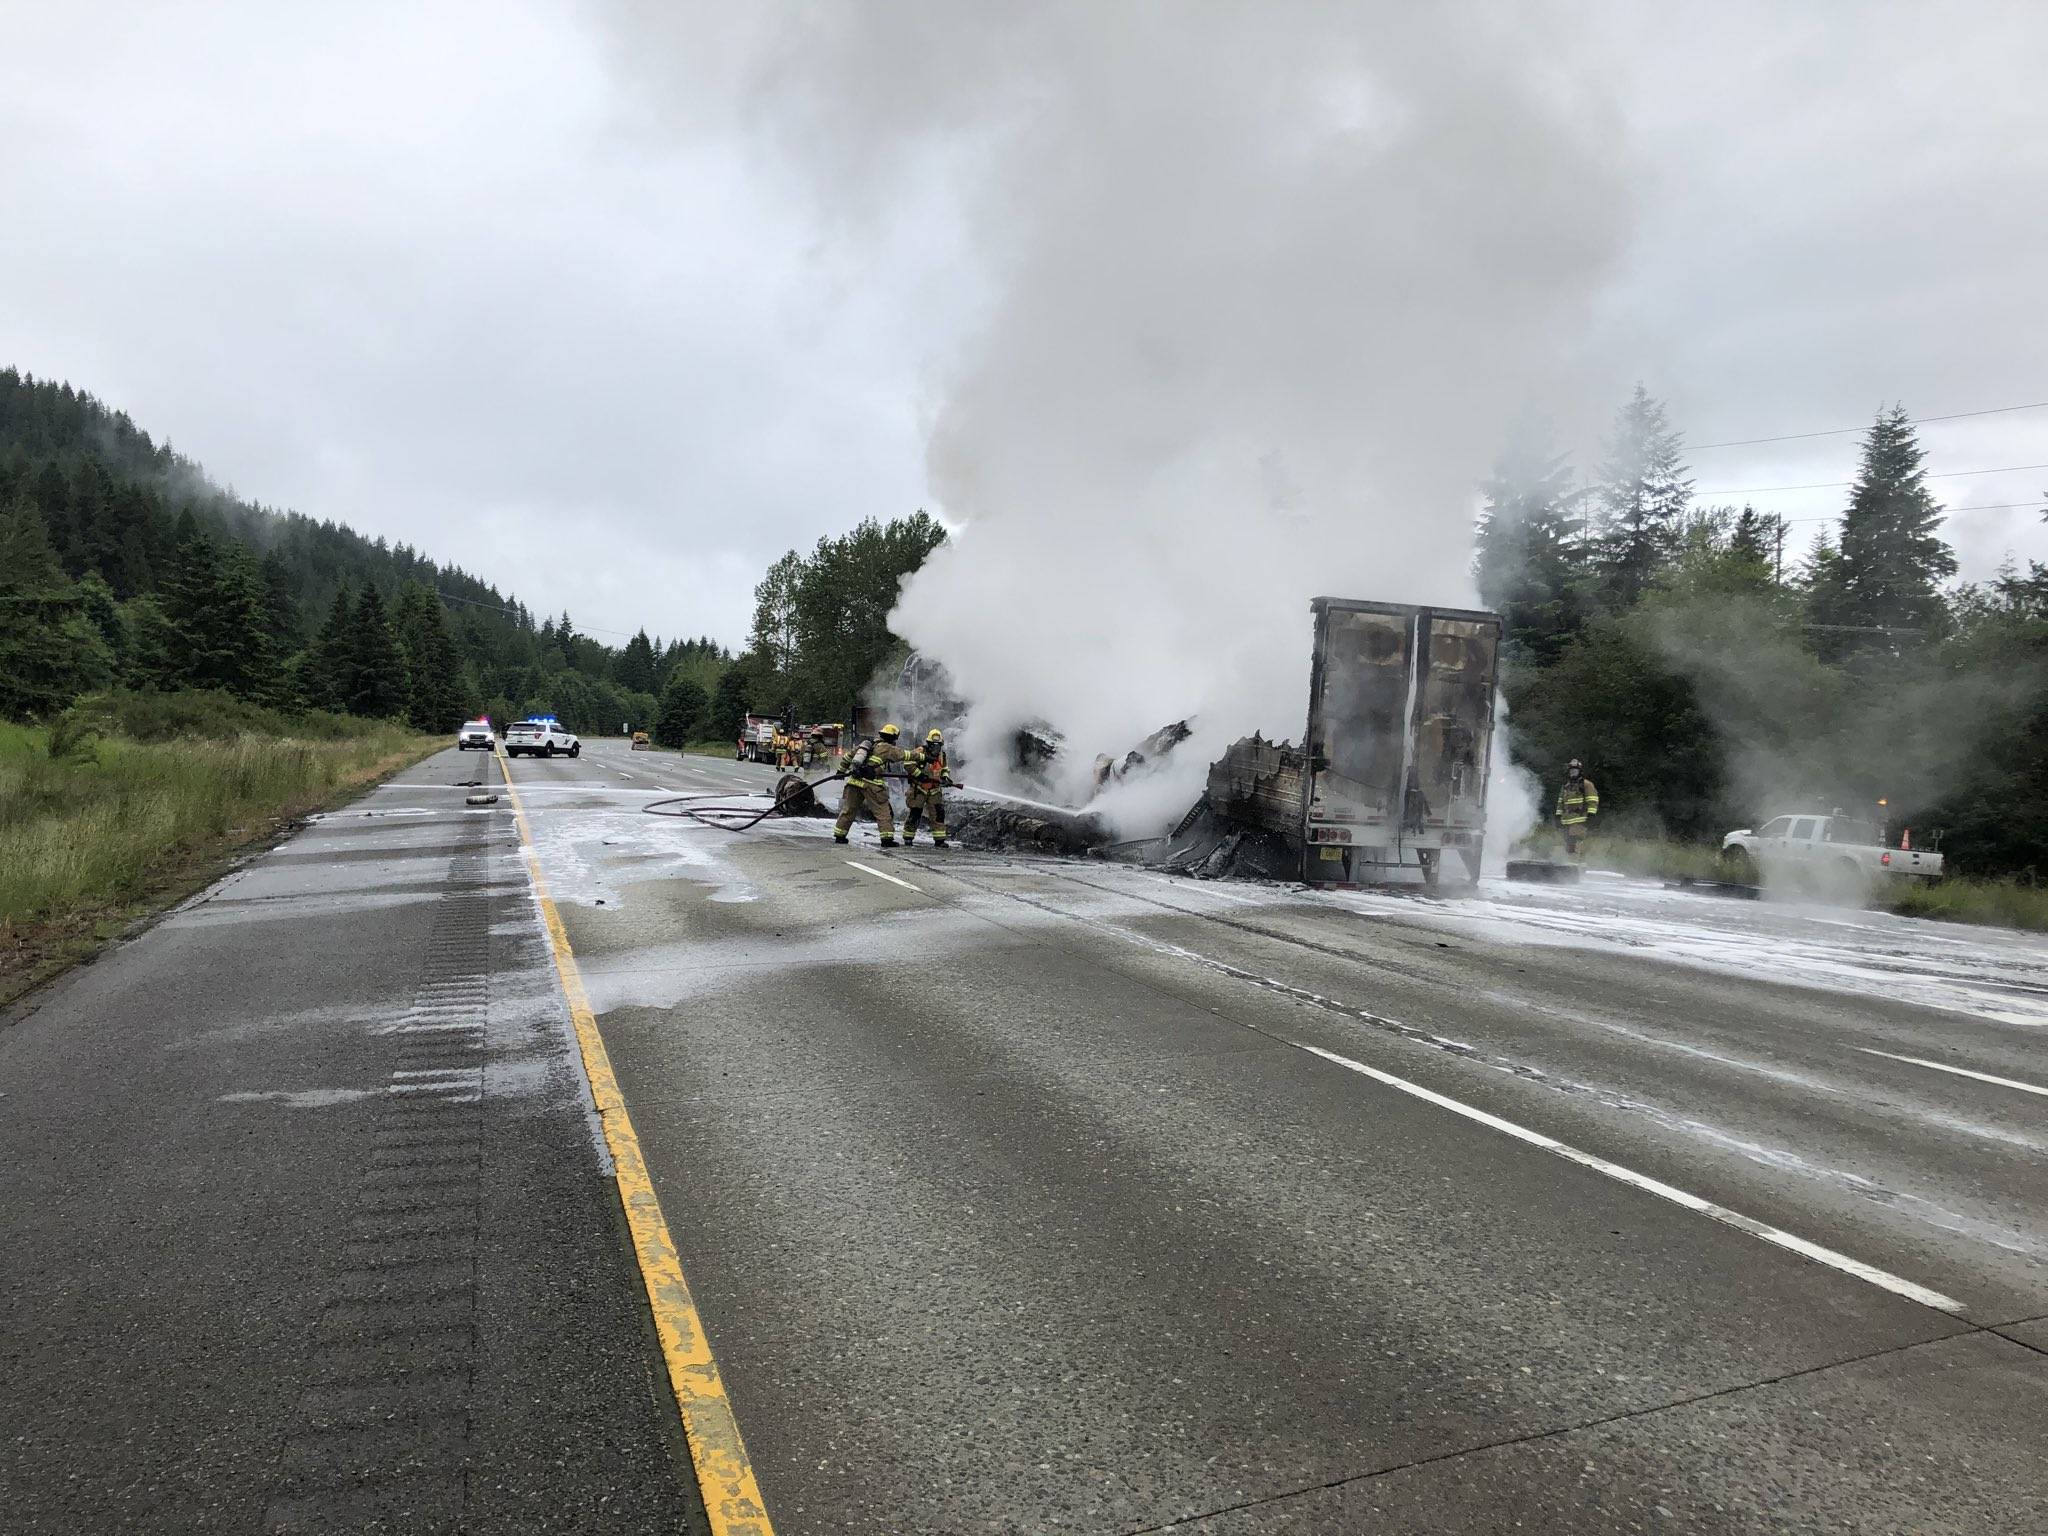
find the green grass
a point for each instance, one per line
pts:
(1651, 857)
(1995, 903)
(91, 838)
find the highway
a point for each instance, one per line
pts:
(1016, 1194)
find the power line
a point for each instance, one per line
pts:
(1917, 421)
(1995, 506)
(516, 613)
(1830, 485)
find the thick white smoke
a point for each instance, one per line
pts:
(1264, 284)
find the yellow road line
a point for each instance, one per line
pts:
(724, 1474)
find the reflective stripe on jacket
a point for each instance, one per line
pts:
(1575, 802)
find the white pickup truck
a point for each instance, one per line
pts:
(1837, 852)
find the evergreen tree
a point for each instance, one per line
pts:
(1530, 556)
(1882, 592)
(213, 599)
(50, 650)
(635, 668)
(151, 659)
(435, 696)
(98, 603)
(327, 675)
(684, 708)
(729, 702)
(1758, 539)
(1641, 499)
(376, 676)
(280, 611)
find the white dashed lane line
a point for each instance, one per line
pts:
(1869, 1273)
(1936, 1066)
(880, 875)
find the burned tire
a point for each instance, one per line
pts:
(794, 797)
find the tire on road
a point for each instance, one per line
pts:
(1846, 882)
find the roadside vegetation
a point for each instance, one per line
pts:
(1712, 671)
(1991, 902)
(2000, 903)
(127, 802)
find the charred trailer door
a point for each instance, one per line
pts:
(1400, 734)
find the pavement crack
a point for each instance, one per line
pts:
(1537, 1436)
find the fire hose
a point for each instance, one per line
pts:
(722, 815)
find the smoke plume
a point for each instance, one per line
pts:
(1255, 290)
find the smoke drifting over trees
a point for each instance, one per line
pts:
(1246, 325)
(1713, 688)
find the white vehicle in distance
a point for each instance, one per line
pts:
(541, 738)
(1838, 853)
(478, 734)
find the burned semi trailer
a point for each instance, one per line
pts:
(1393, 766)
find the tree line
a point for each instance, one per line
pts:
(1708, 681)
(122, 565)
(820, 637)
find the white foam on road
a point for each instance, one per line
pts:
(298, 1098)
(1989, 974)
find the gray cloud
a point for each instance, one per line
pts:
(613, 304)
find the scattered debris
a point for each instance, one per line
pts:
(1544, 871)
(1734, 888)
(985, 819)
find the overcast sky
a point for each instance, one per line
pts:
(594, 302)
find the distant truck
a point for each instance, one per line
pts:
(1837, 851)
(757, 739)
(1392, 770)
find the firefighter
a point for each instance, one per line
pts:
(1578, 802)
(866, 772)
(929, 778)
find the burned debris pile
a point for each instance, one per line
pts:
(1390, 779)
(1247, 823)
(980, 819)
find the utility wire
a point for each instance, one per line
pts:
(1830, 485)
(1917, 421)
(1996, 506)
(474, 602)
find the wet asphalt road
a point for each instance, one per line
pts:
(302, 1223)
(1017, 1195)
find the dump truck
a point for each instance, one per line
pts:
(1393, 765)
(757, 739)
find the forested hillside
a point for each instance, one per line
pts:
(1708, 681)
(122, 564)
